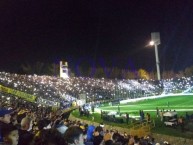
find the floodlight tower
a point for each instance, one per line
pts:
(155, 40)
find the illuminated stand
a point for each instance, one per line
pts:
(64, 70)
(64, 74)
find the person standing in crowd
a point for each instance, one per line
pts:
(92, 107)
(5, 117)
(74, 136)
(187, 116)
(181, 123)
(148, 117)
(25, 137)
(5, 120)
(127, 118)
(10, 135)
(90, 132)
(157, 111)
(107, 136)
(49, 137)
(141, 114)
(118, 109)
(161, 115)
(98, 135)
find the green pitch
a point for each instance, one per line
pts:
(182, 103)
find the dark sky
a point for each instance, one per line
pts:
(96, 33)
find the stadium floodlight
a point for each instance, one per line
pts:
(151, 43)
(155, 40)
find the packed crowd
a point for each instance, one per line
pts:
(65, 91)
(23, 123)
(178, 85)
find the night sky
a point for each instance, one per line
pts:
(111, 33)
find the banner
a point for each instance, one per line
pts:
(25, 96)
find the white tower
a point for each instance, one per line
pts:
(64, 70)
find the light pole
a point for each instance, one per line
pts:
(155, 40)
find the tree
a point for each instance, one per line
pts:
(53, 69)
(115, 73)
(188, 71)
(38, 68)
(26, 68)
(124, 74)
(143, 74)
(168, 74)
(107, 72)
(91, 71)
(180, 74)
(99, 72)
(153, 75)
(130, 75)
(79, 71)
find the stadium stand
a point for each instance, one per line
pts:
(48, 91)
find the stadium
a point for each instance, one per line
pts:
(129, 79)
(137, 107)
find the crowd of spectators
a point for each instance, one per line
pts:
(37, 124)
(65, 91)
(178, 85)
(23, 123)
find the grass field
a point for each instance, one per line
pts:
(181, 103)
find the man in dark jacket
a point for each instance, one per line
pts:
(5, 120)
